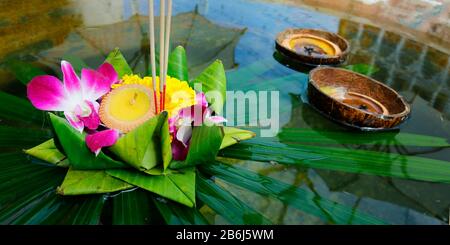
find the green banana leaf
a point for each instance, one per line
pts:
(19, 109)
(342, 159)
(177, 214)
(48, 152)
(134, 208)
(213, 80)
(235, 135)
(178, 67)
(81, 182)
(228, 206)
(29, 197)
(147, 146)
(203, 147)
(299, 198)
(322, 137)
(74, 146)
(116, 59)
(25, 137)
(179, 187)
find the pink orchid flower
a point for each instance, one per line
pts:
(76, 97)
(180, 126)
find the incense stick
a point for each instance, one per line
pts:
(167, 47)
(161, 51)
(151, 14)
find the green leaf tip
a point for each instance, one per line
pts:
(146, 146)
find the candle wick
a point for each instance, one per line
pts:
(133, 101)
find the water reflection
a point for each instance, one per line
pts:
(412, 68)
(26, 30)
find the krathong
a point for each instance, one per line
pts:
(116, 130)
(111, 138)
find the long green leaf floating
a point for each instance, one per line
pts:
(133, 208)
(301, 199)
(228, 206)
(74, 146)
(25, 199)
(24, 71)
(23, 185)
(19, 109)
(214, 85)
(82, 182)
(59, 210)
(310, 136)
(15, 137)
(177, 66)
(342, 159)
(29, 197)
(146, 146)
(179, 187)
(116, 59)
(177, 214)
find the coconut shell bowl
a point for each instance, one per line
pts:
(356, 100)
(312, 47)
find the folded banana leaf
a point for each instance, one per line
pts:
(147, 146)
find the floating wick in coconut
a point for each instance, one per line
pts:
(127, 107)
(311, 45)
(356, 100)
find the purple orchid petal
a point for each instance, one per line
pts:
(212, 120)
(186, 113)
(172, 125)
(184, 134)
(74, 121)
(92, 120)
(216, 119)
(201, 100)
(179, 151)
(94, 84)
(109, 72)
(198, 108)
(46, 93)
(71, 80)
(105, 138)
(192, 114)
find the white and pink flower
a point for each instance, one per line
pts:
(181, 125)
(76, 97)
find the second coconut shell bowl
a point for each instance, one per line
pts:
(356, 100)
(312, 47)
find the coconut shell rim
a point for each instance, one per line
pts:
(405, 113)
(342, 57)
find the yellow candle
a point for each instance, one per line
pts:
(127, 107)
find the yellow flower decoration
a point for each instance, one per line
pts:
(178, 93)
